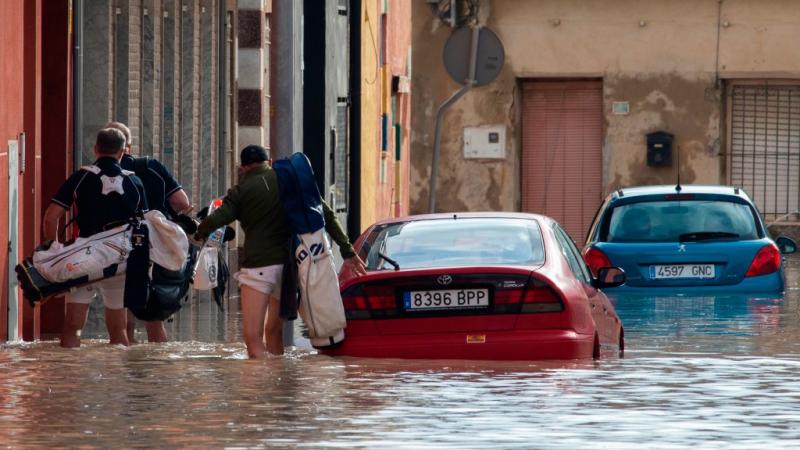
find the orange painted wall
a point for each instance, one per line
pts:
(20, 111)
(11, 124)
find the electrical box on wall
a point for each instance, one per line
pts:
(659, 149)
(487, 142)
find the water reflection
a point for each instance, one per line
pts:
(702, 371)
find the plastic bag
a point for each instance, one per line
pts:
(207, 269)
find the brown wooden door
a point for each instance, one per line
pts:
(562, 134)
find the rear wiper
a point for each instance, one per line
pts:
(705, 235)
(390, 261)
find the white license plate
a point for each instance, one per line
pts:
(682, 271)
(446, 299)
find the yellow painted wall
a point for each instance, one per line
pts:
(370, 110)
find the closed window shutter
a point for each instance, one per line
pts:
(562, 132)
(340, 159)
(765, 146)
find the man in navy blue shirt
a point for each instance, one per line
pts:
(104, 196)
(164, 194)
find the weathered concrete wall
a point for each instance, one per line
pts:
(659, 56)
(686, 105)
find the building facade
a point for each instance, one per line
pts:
(196, 80)
(385, 102)
(585, 83)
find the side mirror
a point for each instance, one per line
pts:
(609, 277)
(787, 246)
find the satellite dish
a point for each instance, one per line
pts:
(489, 61)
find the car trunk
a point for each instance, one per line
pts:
(702, 263)
(445, 300)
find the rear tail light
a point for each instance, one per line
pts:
(380, 297)
(596, 259)
(533, 297)
(767, 260)
(539, 297)
(364, 302)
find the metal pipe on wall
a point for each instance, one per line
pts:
(437, 140)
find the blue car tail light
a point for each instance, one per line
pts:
(596, 259)
(767, 260)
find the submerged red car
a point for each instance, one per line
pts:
(498, 286)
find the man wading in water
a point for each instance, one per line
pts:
(106, 196)
(165, 194)
(256, 204)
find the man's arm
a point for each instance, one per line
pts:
(223, 215)
(52, 215)
(60, 204)
(175, 195)
(334, 228)
(179, 202)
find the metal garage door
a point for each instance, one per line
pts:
(562, 133)
(765, 145)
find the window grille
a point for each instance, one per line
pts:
(765, 146)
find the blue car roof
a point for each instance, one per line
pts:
(640, 191)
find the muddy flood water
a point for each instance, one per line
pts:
(709, 372)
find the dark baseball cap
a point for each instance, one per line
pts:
(252, 154)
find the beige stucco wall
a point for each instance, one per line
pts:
(660, 56)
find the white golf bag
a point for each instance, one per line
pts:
(320, 300)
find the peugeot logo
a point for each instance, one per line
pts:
(682, 248)
(444, 280)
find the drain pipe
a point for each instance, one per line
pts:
(437, 140)
(77, 84)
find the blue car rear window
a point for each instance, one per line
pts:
(462, 242)
(668, 221)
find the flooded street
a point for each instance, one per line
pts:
(716, 372)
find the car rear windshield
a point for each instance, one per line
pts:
(456, 242)
(690, 220)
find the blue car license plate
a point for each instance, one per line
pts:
(445, 299)
(682, 271)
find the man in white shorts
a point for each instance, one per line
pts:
(255, 203)
(105, 196)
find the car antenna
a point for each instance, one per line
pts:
(678, 187)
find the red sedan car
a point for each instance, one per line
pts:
(500, 286)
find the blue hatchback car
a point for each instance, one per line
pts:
(686, 239)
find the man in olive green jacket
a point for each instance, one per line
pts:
(255, 203)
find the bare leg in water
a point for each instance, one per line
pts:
(255, 322)
(75, 319)
(131, 328)
(273, 330)
(155, 330)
